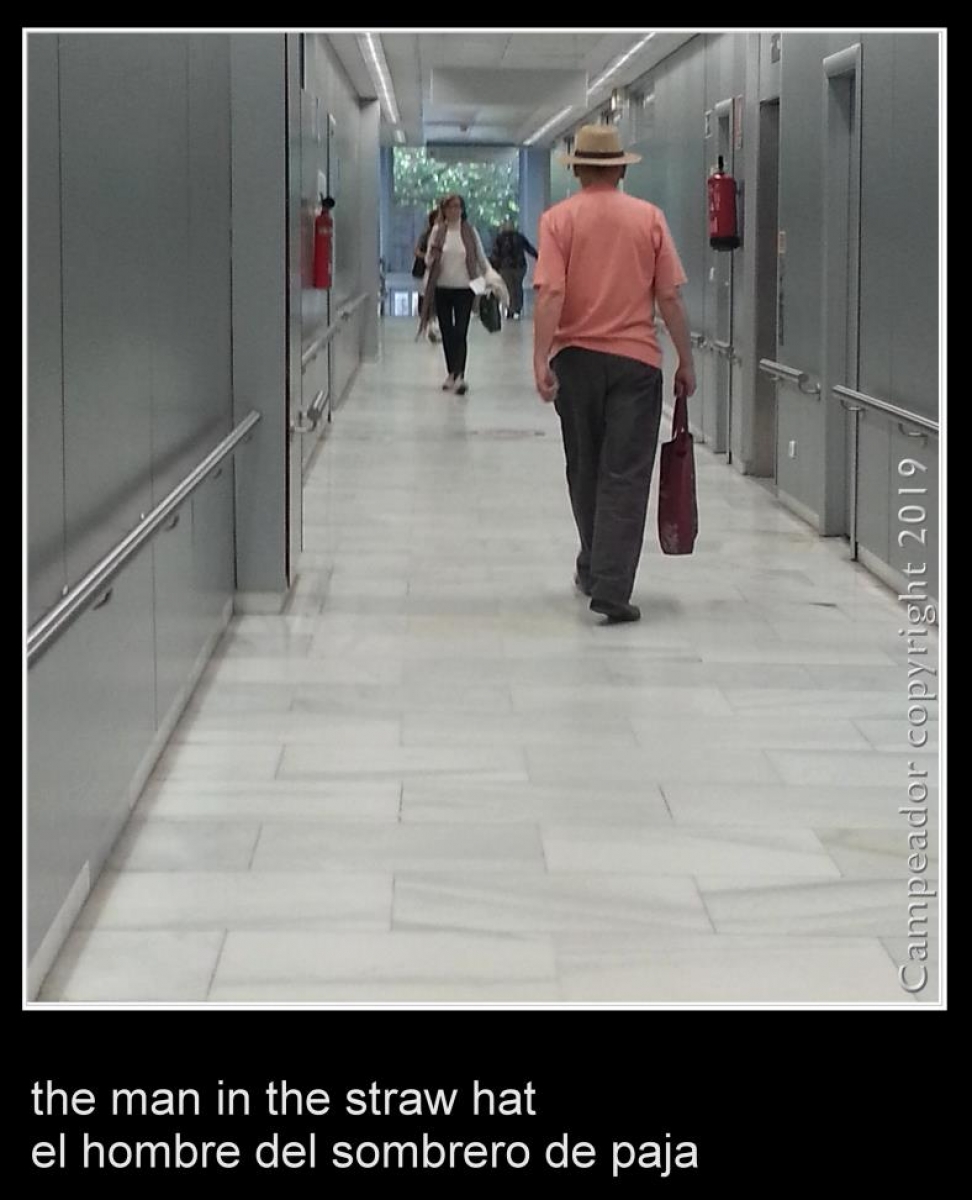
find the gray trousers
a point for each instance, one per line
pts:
(610, 409)
(513, 278)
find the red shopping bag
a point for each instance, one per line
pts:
(678, 513)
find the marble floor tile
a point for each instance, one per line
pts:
(630, 768)
(372, 701)
(185, 845)
(275, 800)
(518, 803)
(833, 907)
(199, 900)
(652, 673)
(767, 731)
(862, 768)
(398, 847)
(377, 762)
(414, 965)
(726, 970)
(295, 725)
(198, 762)
(884, 853)
(808, 806)
(898, 733)
(139, 967)
(213, 697)
(541, 903)
(645, 702)
(562, 729)
(730, 850)
(817, 703)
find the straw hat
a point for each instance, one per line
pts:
(598, 146)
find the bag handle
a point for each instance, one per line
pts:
(680, 416)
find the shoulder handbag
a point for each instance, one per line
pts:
(678, 514)
(489, 312)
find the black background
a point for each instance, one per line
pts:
(774, 1100)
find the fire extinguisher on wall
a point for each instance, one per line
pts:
(722, 210)
(323, 244)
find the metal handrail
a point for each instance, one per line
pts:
(45, 632)
(784, 374)
(317, 406)
(308, 422)
(726, 349)
(698, 340)
(318, 344)
(353, 304)
(861, 398)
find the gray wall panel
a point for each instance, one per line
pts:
(144, 206)
(108, 138)
(873, 484)
(562, 180)
(178, 626)
(260, 283)
(45, 477)
(801, 216)
(879, 224)
(92, 716)
(212, 546)
(174, 412)
(914, 200)
(210, 342)
(672, 171)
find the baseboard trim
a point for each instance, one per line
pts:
(800, 509)
(260, 603)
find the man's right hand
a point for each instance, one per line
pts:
(546, 381)
(684, 381)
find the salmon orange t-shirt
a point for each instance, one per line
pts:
(610, 254)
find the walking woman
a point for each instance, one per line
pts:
(455, 257)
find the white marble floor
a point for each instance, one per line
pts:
(438, 778)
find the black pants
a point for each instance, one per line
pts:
(452, 307)
(513, 278)
(610, 409)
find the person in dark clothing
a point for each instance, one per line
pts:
(421, 249)
(509, 258)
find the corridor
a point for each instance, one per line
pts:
(437, 777)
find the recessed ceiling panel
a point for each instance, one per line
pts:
(521, 87)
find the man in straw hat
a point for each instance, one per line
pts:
(606, 259)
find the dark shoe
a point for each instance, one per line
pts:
(616, 613)
(462, 387)
(582, 585)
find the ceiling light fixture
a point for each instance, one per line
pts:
(374, 57)
(549, 125)
(618, 63)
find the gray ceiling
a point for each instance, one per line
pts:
(498, 86)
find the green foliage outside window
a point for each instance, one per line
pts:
(490, 189)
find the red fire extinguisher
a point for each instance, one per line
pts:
(722, 210)
(323, 244)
